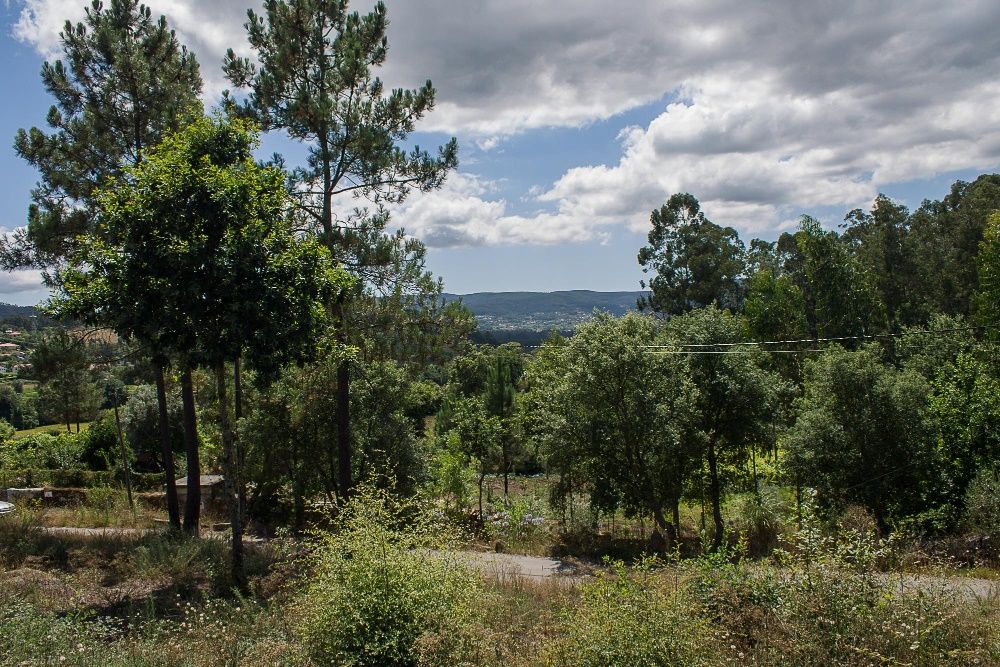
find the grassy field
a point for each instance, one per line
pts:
(53, 429)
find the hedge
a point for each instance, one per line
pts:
(82, 479)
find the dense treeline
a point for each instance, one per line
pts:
(857, 364)
(298, 348)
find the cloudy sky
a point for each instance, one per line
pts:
(575, 120)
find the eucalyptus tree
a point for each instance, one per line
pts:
(841, 295)
(946, 237)
(123, 83)
(314, 78)
(199, 254)
(882, 242)
(695, 261)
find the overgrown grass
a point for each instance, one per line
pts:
(385, 587)
(52, 429)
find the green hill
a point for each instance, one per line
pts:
(542, 311)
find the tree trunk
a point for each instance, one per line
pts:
(192, 507)
(482, 477)
(344, 473)
(716, 494)
(125, 466)
(230, 465)
(665, 536)
(238, 411)
(167, 451)
(675, 507)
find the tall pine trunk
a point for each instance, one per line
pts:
(192, 507)
(238, 411)
(716, 495)
(231, 470)
(166, 449)
(125, 464)
(344, 472)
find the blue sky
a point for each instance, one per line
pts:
(574, 122)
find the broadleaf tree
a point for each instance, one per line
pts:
(211, 266)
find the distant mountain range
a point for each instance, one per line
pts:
(10, 310)
(542, 311)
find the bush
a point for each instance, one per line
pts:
(760, 519)
(982, 501)
(829, 604)
(382, 582)
(628, 617)
(83, 479)
(99, 445)
(42, 450)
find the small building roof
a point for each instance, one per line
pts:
(206, 480)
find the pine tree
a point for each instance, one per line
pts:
(125, 81)
(316, 81)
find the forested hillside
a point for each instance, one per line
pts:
(542, 311)
(10, 310)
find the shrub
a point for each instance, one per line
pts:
(85, 479)
(982, 501)
(382, 582)
(630, 618)
(99, 445)
(829, 604)
(760, 519)
(42, 450)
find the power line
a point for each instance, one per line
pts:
(725, 351)
(831, 339)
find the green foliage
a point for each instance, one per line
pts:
(947, 235)
(224, 276)
(385, 435)
(61, 452)
(123, 83)
(99, 444)
(982, 501)
(841, 300)
(449, 474)
(61, 362)
(629, 617)
(381, 584)
(988, 263)
(140, 420)
(736, 401)
(696, 262)
(77, 478)
(622, 418)
(828, 604)
(863, 436)
(341, 111)
(17, 408)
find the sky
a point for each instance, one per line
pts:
(575, 118)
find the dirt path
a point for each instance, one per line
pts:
(541, 567)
